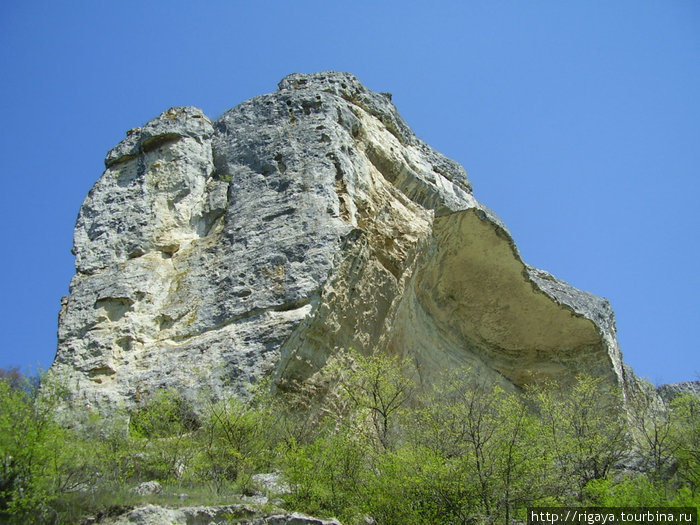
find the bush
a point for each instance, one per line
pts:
(329, 476)
(234, 442)
(39, 460)
(166, 415)
(464, 452)
(686, 436)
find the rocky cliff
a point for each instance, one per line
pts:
(300, 223)
(670, 391)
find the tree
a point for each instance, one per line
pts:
(652, 425)
(234, 441)
(686, 437)
(585, 430)
(332, 474)
(377, 387)
(36, 455)
(522, 459)
(163, 429)
(488, 441)
(13, 377)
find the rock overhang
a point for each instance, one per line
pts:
(296, 225)
(477, 284)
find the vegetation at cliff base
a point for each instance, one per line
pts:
(367, 442)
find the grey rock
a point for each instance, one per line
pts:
(147, 488)
(206, 515)
(174, 124)
(670, 391)
(200, 515)
(295, 518)
(256, 499)
(271, 483)
(297, 225)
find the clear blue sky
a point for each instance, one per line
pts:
(578, 123)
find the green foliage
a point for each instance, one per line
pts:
(487, 457)
(403, 487)
(39, 460)
(329, 475)
(168, 414)
(376, 388)
(335, 469)
(375, 446)
(631, 491)
(686, 438)
(652, 429)
(16, 379)
(162, 432)
(469, 452)
(639, 491)
(585, 431)
(234, 442)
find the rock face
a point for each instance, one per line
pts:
(298, 224)
(670, 391)
(224, 515)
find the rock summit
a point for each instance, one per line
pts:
(301, 223)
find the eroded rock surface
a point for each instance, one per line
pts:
(670, 391)
(298, 224)
(208, 515)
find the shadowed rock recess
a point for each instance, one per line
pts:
(298, 224)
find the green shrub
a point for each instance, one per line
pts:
(463, 452)
(39, 460)
(167, 414)
(329, 476)
(234, 442)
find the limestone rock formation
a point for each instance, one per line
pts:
(201, 515)
(670, 391)
(298, 224)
